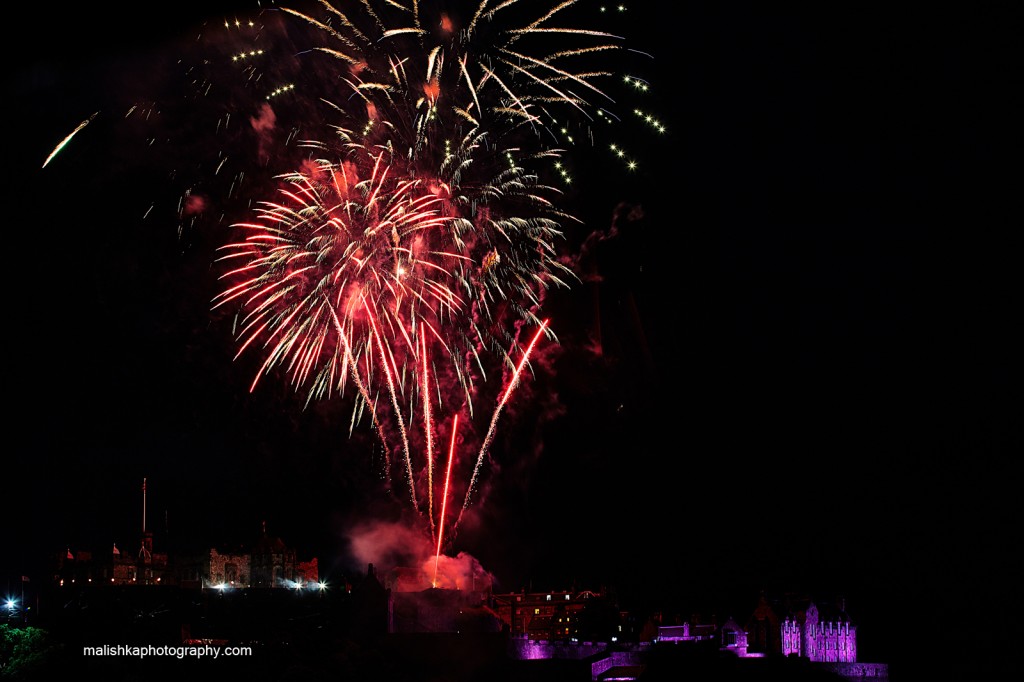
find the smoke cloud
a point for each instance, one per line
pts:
(406, 559)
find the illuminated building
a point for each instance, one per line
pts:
(549, 615)
(798, 626)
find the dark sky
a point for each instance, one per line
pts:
(808, 312)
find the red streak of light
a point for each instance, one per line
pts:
(444, 500)
(494, 418)
(526, 356)
(429, 427)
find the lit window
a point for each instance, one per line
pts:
(536, 612)
(549, 597)
(566, 597)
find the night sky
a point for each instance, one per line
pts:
(807, 300)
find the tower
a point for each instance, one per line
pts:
(146, 550)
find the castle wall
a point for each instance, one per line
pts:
(859, 672)
(618, 658)
(525, 649)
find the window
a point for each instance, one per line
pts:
(549, 597)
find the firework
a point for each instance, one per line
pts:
(414, 242)
(63, 143)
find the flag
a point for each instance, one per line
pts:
(70, 555)
(116, 550)
(24, 579)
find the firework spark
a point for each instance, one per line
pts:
(63, 143)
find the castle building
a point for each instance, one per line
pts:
(228, 568)
(270, 563)
(798, 626)
(819, 637)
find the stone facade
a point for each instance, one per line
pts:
(228, 569)
(270, 563)
(798, 626)
(807, 634)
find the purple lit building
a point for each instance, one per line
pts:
(830, 639)
(798, 626)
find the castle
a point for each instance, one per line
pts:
(794, 625)
(268, 563)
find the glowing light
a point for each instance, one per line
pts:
(63, 143)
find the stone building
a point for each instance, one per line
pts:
(555, 615)
(269, 563)
(230, 568)
(144, 567)
(113, 567)
(272, 562)
(824, 635)
(800, 626)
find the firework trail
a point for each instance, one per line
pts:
(415, 238)
(63, 143)
(513, 382)
(444, 498)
